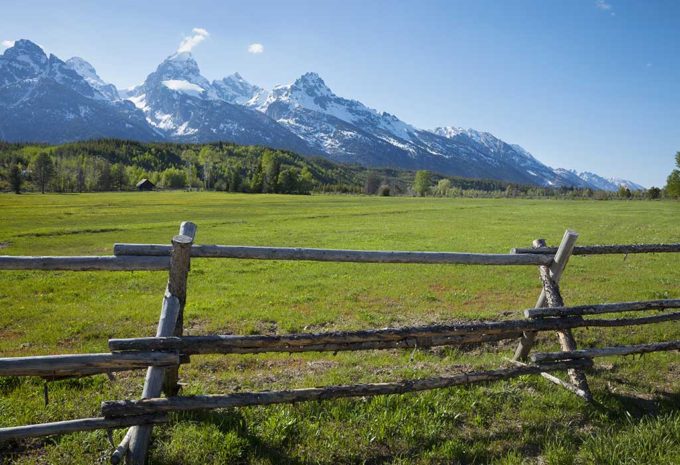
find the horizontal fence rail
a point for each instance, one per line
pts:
(605, 351)
(581, 310)
(334, 255)
(87, 263)
(84, 364)
(414, 336)
(218, 344)
(603, 249)
(241, 399)
(162, 355)
(72, 426)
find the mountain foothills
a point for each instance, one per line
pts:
(46, 100)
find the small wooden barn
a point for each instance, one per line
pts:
(145, 185)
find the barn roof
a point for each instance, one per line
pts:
(145, 182)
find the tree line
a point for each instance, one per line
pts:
(118, 165)
(109, 165)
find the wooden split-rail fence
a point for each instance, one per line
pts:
(162, 354)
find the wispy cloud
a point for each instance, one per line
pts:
(604, 6)
(255, 48)
(197, 36)
(5, 44)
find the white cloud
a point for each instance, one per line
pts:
(197, 36)
(255, 48)
(5, 44)
(603, 5)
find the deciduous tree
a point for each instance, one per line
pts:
(422, 182)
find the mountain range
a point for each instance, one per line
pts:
(45, 99)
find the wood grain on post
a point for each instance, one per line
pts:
(558, 381)
(83, 364)
(567, 341)
(121, 451)
(581, 310)
(240, 399)
(140, 435)
(335, 255)
(556, 269)
(328, 342)
(467, 332)
(71, 426)
(606, 351)
(605, 249)
(92, 263)
(180, 263)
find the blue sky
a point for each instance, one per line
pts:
(582, 84)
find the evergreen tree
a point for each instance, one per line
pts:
(234, 180)
(118, 177)
(42, 170)
(104, 179)
(15, 178)
(653, 193)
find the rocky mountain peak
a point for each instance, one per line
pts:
(235, 89)
(180, 66)
(87, 72)
(312, 85)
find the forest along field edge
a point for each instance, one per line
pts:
(122, 165)
(508, 422)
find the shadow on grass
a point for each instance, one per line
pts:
(228, 421)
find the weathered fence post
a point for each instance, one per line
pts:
(559, 264)
(139, 435)
(567, 341)
(171, 324)
(180, 262)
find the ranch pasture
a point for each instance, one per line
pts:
(636, 418)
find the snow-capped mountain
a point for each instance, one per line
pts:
(87, 72)
(235, 89)
(349, 131)
(44, 99)
(184, 106)
(607, 184)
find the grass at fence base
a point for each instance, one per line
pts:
(527, 420)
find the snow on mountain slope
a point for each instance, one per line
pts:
(235, 89)
(186, 87)
(87, 72)
(626, 183)
(349, 131)
(310, 92)
(182, 104)
(43, 99)
(608, 184)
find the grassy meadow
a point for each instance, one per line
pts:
(524, 421)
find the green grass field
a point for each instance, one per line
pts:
(526, 420)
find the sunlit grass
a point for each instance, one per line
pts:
(522, 421)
